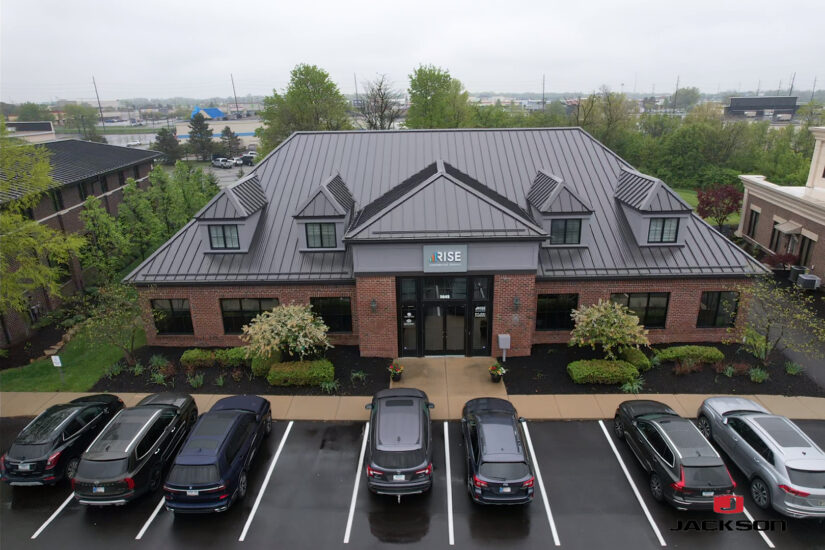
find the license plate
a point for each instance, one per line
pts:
(707, 493)
(98, 489)
(24, 467)
(191, 493)
(398, 477)
(504, 490)
(819, 503)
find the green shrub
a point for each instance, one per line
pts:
(232, 357)
(158, 361)
(601, 371)
(633, 386)
(357, 376)
(157, 378)
(330, 387)
(758, 375)
(691, 354)
(635, 357)
(113, 370)
(197, 358)
(219, 381)
(138, 368)
(301, 373)
(729, 371)
(195, 380)
(262, 363)
(793, 369)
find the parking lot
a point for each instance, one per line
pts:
(306, 491)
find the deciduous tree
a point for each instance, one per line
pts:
(381, 105)
(106, 249)
(293, 330)
(83, 118)
(719, 203)
(437, 100)
(33, 112)
(114, 321)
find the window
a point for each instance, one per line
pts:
(224, 237)
(57, 199)
(565, 231)
(153, 434)
(321, 235)
(172, 316)
(104, 185)
(136, 173)
(805, 248)
(776, 238)
(663, 230)
(718, 309)
(238, 312)
(739, 426)
(753, 222)
(335, 312)
(553, 311)
(241, 434)
(650, 307)
(656, 441)
(121, 178)
(83, 190)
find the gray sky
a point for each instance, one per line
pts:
(150, 48)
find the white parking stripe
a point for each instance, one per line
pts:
(541, 486)
(633, 486)
(265, 483)
(151, 518)
(762, 533)
(51, 518)
(355, 485)
(449, 485)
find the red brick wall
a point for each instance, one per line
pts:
(205, 308)
(519, 322)
(682, 311)
(378, 330)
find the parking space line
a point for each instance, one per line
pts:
(266, 482)
(449, 486)
(355, 485)
(633, 486)
(541, 486)
(761, 533)
(151, 518)
(54, 515)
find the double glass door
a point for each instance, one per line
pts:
(444, 328)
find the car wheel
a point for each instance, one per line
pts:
(704, 426)
(618, 429)
(760, 493)
(268, 424)
(656, 488)
(71, 468)
(154, 479)
(242, 485)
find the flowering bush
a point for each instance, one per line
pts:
(778, 260)
(609, 325)
(396, 368)
(497, 368)
(293, 330)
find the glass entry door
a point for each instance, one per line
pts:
(444, 328)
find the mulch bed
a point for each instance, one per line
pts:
(345, 359)
(545, 372)
(33, 348)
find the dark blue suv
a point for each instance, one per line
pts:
(210, 472)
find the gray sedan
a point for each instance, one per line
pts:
(785, 468)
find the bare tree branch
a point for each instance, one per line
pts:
(381, 105)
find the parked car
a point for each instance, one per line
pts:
(222, 163)
(399, 451)
(785, 468)
(210, 472)
(237, 161)
(127, 459)
(498, 468)
(683, 467)
(48, 449)
(248, 158)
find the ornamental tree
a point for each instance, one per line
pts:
(114, 321)
(719, 202)
(294, 330)
(609, 325)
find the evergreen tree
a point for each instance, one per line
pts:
(200, 137)
(106, 249)
(166, 142)
(230, 142)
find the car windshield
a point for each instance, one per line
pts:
(101, 469)
(807, 478)
(504, 470)
(41, 430)
(396, 460)
(194, 475)
(707, 476)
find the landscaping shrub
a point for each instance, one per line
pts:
(635, 357)
(195, 380)
(330, 387)
(197, 359)
(687, 366)
(158, 361)
(609, 325)
(601, 371)
(692, 354)
(793, 369)
(262, 363)
(633, 386)
(758, 375)
(292, 329)
(301, 373)
(732, 369)
(232, 357)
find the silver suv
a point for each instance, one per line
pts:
(786, 469)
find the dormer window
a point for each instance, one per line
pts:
(224, 237)
(663, 230)
(321, 235)
(566, 231)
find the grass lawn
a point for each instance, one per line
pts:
(82, 367)
(689, 196)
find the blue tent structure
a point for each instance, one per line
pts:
(209, 113)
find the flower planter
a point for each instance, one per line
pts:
(495, 377)
(396, 376)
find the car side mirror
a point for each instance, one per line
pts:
(368, 406)
(725, 421)
(430, 405)
(522, 419)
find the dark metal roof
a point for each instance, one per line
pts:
(73, 160)
(549, 195)
(332, 199)
(241, 200)
(763, 102)
(505, 160)
(648, 194)
(29, 126)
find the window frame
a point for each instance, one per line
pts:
(320, 226)
(565, 224)
(223, 235)
(558, 296)
(83, 192)
(806, 247)
(172, 315)
(57, 200)
(104, 184)
(776, 238)
(245, 319)
(753, 223)
(661, 238)
(643, 318)
(718, 309)
(347, 319)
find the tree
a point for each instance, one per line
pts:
(437, 100)
(167, 198)
(145, 229)
(166, 142)
(230, 142)
(684, 98)
(83, 118)
(311, 101)
(32, 112)
(718, 203)
(609, 325)
(106, 248)
(380, 106)
(114, 321)
(200, 137)
(197, 187)
(293, 330)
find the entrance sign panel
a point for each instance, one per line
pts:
(447, 258)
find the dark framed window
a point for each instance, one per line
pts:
(776, 237)
(753, 222)
(224, 237)
(57, 199)
(806, 246)
(649, 307)
(121, 178)
(336, 313)
(237, 312)
(104, 185)
(172, 316)
(136, 172)
(565, 231)
(663, 230)
(83, 190)
(321, 235)
(553, 311)
(718, 309)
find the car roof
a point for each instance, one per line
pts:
(727, 405)
(47, 424)
(165, 398)
(209, 436)
(498, 437)
(400, 392)
(483, 404)
(687, 439)
(118, 438)
(399, 422)
(639, 407)
(98, 399)
(251, 403)
(787, 436)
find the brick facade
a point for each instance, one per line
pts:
(517, 320)
(378, 330)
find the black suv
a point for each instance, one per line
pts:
(498, 469)
(49, 447)
(683, 468)
(128, 457)
(399, 454)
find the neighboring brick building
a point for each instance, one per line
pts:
(789, 219)
(436, 241)
(79, 169)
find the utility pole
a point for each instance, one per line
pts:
(543, 102)
(813, 90)
(675, 94)
(237, 109)
(779, 88)
(758, 85)
(793, 78)
(99, 106)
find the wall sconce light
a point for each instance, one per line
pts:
(373, 305)
(516, 303)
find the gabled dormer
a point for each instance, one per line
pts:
(323, 217)
(228, 223)
(565, 216)
(656, 214)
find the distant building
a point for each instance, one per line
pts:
(774, 107)
(210, 113)
(33, 132)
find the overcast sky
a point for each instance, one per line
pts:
(151, 48)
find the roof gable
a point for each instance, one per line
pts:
(550, 195)
(332, 199)
(647, 194)
(239, 201)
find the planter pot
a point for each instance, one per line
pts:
(495, 377)
(396, 376)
